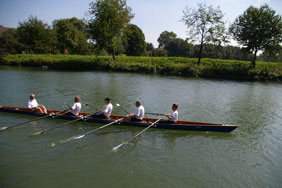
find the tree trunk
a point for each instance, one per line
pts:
(200, 53)
(113, 54)
(254, 60)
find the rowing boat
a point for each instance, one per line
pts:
(179, 125)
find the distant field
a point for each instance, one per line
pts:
(209, 68)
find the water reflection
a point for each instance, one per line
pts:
(248, 157)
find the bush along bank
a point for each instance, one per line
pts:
(209, 68)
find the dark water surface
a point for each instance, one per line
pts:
(251, 156)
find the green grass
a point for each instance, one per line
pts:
(209, 68)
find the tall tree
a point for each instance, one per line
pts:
(159, 52)
(134, 41)
(72, 35)
(107, 20)
(36, 36)
(258, 29)
(165, 38)
(9, 42)
(179, 47)
(149, 49)
(205, 25)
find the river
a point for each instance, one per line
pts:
(250, 156)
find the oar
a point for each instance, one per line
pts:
(128, 141)
(60, 125)
(122, 108)
(156, 114)
(84, 134)
(86, 104)
(36, 119)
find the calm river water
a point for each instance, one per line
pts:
(251, 156)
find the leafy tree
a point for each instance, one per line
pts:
(204, 25)
(107, 20)
(149, 49)
(72, 35)
(159, 52)
(9, 42)
(265, 57)
(258, 29)
(232, 52)
(179, 47)
(134, 41)
(165, 38)
(36, 36)
(149, 46)
(210, 51)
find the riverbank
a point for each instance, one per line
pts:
(209, 68)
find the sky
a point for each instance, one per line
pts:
(152, 16)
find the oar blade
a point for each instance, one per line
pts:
(37, 133)
(117, 147)
(78, 137)
(4, 128)
(52, 144)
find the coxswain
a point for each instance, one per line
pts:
(34, 106)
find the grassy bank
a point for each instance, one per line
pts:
(209, 68)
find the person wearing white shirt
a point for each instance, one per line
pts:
(140, 112)
(34, 106)
(108, 108)
(76, 107)
(106, 113)
(173, 117)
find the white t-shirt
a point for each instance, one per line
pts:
(174, 114)
(108, 109)
(32, 103)
(140, 111)
(76, 107)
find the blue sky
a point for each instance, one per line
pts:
(152, 16)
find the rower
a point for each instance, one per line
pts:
(139, 114)
(34, 106)
(173, 117)
(106, 113)
(76, 107)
